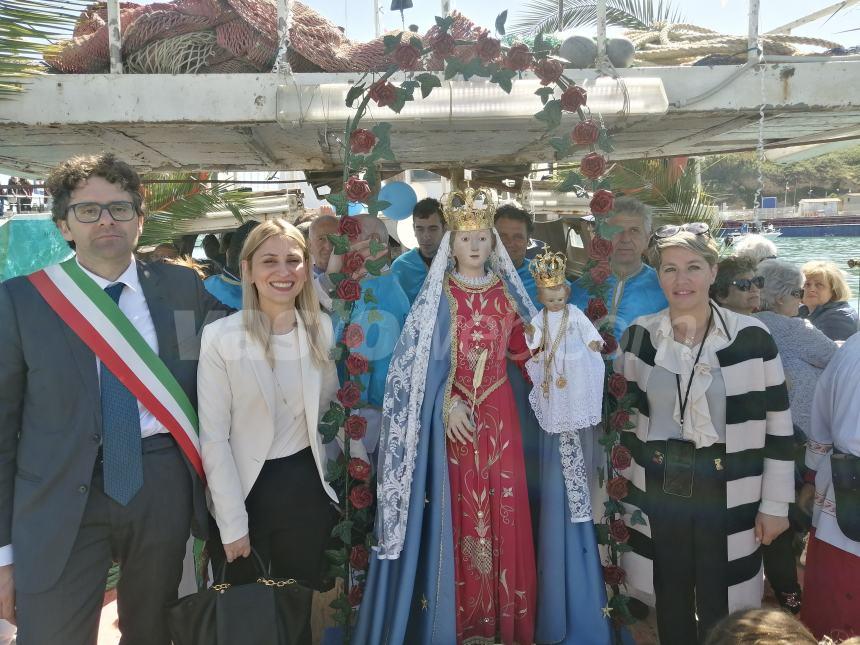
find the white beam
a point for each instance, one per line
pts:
(114, 37)
(786, 28)
(752, 38)
(282, 63)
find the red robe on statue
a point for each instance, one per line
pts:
(494, 556)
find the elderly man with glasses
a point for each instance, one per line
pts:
(633, 287)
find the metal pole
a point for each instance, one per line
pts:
(560, 15)
(447, 7)
(285, 11)
(377, 26)
(114, 37)
(601, 30)
(752, 38)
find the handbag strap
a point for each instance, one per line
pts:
(265, 572)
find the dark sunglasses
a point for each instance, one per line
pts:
(797, 293)
(744, 285)
(670, 230)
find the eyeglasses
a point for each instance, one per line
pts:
(89, 212)
(745, 285)
(796, 293)
(670, 230)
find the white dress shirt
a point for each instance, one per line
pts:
(291, 427)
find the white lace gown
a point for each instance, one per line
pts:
(578, 404)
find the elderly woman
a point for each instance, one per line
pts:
(756, 247)
(805, 352)
(826, 295)
(736, 286)
(710, 441)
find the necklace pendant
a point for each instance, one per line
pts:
(545, 387)
(561, 382)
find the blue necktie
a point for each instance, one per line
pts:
(123, 461)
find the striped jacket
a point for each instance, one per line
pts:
(759, 464)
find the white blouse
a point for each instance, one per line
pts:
(291, 428)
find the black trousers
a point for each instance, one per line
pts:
(290, 518)
(690, 551)
(147, 537)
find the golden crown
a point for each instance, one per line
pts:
(470, 209)
(548, 269)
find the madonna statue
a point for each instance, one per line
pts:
(455, 561)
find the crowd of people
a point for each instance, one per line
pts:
(482, 409)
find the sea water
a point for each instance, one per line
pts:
(836, 249)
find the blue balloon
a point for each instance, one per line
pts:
(402, 198)
(356, 208)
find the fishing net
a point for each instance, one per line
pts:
(184, 54)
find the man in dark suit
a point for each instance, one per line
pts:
(87, 473)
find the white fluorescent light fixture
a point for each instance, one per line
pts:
(475, 99)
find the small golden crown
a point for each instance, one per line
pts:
(548, 269)
(470, 209)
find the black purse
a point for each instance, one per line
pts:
(266, 612)
(845, 470)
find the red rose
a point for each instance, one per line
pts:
(383, 93)
(619, 419)
(353, 335)
(621, 457)
(592, 165)
(617, 386)
(617, 488)
(349, 226)
(407, 56)
(357, 364)
(613, 575)
(361, 496)
(548, 71)
(487, 48)
(599, 248)
(349, 394)
(443, 45)
(602, 202)
(585, 133)
(361, 141)
(352, 262)
(596, 309)
(599, 272)
(355, 426)
(359, 469)
(610, 345)
(519, 58)
(357, 190)
(349, 290)
(618, 531)
(359, 557)
(573, 98)
(355, 595)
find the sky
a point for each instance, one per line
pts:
(725, 16)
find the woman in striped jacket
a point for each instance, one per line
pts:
(711, 445)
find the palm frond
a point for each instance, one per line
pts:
(29, 28)
(674, 194)
(173, 205)
(539, 16)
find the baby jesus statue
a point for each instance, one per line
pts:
(567, 368)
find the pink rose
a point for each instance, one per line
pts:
(616, 488)
(359, 557)
(595, 309)
(621, 457)
(600, 272)
(592, 165)
(383, 93)
(443, 45)
(355, 426)
(619, 419)
(519, 58)
(613, 575)
(357, 190)
(353, 335)
(618, 531)
(361, 496)
(487, 48)
(407, 56)
(573, 98)
(585, 133)
(548, 71)
(602, 202)
(599, 248)
(361, 141)
(349, 394)
(617, 386)
(359, 469)
(349, 290)
(349, 226)
(357, 364)
(355, 595)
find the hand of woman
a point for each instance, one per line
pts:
(241, 548)
(769, 527)
(460, 427)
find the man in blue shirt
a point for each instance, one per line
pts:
(411, 268)
(515, 226)
(633, 287)
(227, 285)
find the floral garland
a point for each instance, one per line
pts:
(364, 150)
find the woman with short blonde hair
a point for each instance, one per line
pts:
(706, 440)
(265, 378)
(826, 295)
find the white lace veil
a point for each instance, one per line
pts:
(404, 392)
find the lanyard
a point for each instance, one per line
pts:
(683, 402)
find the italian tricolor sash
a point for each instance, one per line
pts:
(98, 321)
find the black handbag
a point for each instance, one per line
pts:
(845, 470)
(266, 612)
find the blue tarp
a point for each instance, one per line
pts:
(28, 243)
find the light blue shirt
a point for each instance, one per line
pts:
(226, 290)
(411, 271)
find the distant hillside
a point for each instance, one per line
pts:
(733, 178)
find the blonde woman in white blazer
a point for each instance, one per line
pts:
(265, 377)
